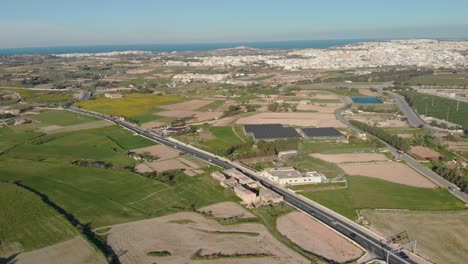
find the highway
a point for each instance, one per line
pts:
(352, 230)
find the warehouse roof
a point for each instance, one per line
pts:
(271, 131)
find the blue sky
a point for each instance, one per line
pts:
(31, 23)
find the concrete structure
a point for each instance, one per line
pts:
(291, 176)
(113, 95)
(246, 188)
(287, 154)
(247, 196)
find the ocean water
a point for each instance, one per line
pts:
(158, 48)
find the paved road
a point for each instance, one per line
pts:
(437, 179)
(352, 230)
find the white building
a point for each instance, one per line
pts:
(291, 176)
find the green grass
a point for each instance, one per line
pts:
(43, 97)
(304, 162)
(320, 146)
(62, 118)
(103, 197)
(211, 106)
(325, 101)
(224, 139)
(10, 137)
(369, 193)
(442, 79)
(70, 147)
(439, 107)
(27, 223)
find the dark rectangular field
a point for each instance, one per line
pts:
(321, 132)
(271, 131)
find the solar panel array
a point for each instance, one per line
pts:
(319, 132)
(271, 131)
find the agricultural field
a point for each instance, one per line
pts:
(217, 140)
(62, 118)
(140, 108)
(440, 80)
(439, 107)
(27, 223)
(103, 197)
(370, 193)
(240, 243)
(440, 235)
(42, 97)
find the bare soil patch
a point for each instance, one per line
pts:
(388, 171)
(457, 146)
(226, 210)
(441, 236)
(313, 236)
(164, 165)
(47, 129)
(224, 121)
(88, 125)
(424, 153)
(161, 151)
(199, 116)
(188, 106)
(368, 92)
(321, 108)
(183, 234)
(138, 71)
(152, 124)
(381, 120)
(293, 119)
(350, 157)
(74, 251)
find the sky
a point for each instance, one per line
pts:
(33, 23)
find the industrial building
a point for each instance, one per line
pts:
(270, 132)
(321, 133)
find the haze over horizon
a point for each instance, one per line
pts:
(29, 23)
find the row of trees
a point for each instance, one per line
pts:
(453, 175)
(393, 140)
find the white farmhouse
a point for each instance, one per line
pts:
(291, 176)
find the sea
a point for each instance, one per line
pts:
(159, 48)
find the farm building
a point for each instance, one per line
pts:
(271, 132)
(321, 133)
(291, 176)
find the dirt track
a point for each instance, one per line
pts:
(316, 237)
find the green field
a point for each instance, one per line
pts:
(62, 118)
(369, 193)
(224, 138)
(10, 137)
(304, 162)
(440, 80)
(140, 108)
(103, 197)
(439, 107)
(27, 223)
(320, 146)
(43, 97)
